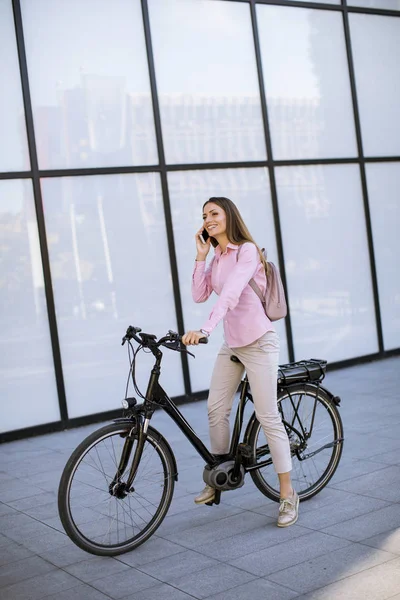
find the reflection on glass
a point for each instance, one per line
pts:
(322, 1)
(207, 81)
(110, 269)
(375, 42)
(307, 83)
(383, 192)
(388, 4)
(27, 381)
(249, 189)
(326, 259)
(13, 144)
(89, 83)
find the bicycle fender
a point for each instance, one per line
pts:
(158, 437)
(335, 399)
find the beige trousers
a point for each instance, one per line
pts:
(260, 360)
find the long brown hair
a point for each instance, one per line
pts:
(236, 230)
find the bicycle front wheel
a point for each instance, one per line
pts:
(315, 432)
(98, 521)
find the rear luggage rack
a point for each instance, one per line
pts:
(313, 369)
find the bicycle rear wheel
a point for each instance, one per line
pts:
(102, 523)
(315, 432)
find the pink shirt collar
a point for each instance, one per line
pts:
(218, 250)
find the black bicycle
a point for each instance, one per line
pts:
(117, 486)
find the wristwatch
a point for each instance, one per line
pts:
(205, 332)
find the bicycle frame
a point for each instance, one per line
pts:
(157, 397)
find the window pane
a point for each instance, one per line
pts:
(249, 189)
(27, 382)
(327, 264)
(207, 81)
(389, 4)
(375, 42)
(322, 1)
(89, 83)
(383, 192)
(14, 147)
(307, 82)
(110, 269)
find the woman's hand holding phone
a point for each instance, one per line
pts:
(203, 244)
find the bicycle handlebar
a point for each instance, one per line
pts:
(149, 340)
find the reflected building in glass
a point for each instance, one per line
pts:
(119, 124)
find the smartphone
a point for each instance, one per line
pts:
(204, 236)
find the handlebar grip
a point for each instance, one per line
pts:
(203, 340)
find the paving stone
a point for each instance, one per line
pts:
(39, 586)
(391, 458)
(6, 509)
(353, 467)
(388, 541)
(154, 549)
(160, 592)
(218, 530)
(379, 583)
(212, 580)
(251, 541)
(328, 515)
(80, 592)
(259, 589)
(42, 511)
(23, 569)
(44, 498)
(172, 567)
(65, 555)
(384, 484)
(93, 568)
(359, 445)
(17, 521)
(193, 518)
(124, 583)
(12, 552)
(46, 540)
(16, 490)
(4, 541)
(287, 554)
(366, 526)
(323, 570)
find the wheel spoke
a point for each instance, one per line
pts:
(107, 524)
(302, 409)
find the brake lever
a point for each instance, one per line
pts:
(187, 352)
(178, 347)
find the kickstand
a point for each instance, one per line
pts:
(216, 498)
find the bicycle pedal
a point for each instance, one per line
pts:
(245, 450)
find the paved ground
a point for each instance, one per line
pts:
(346, 543)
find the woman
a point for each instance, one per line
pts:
(249, 335)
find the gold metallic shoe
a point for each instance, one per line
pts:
(288, 510)
(206, 495)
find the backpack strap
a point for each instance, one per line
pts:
(252, 283)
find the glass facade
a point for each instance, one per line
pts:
(119, 120)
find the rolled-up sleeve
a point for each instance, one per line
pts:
(234, 285)
(201, 281)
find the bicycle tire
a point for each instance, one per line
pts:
(82, 518)
(329, 425)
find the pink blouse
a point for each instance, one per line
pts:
(238, 305)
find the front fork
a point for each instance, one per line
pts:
(117, 487)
